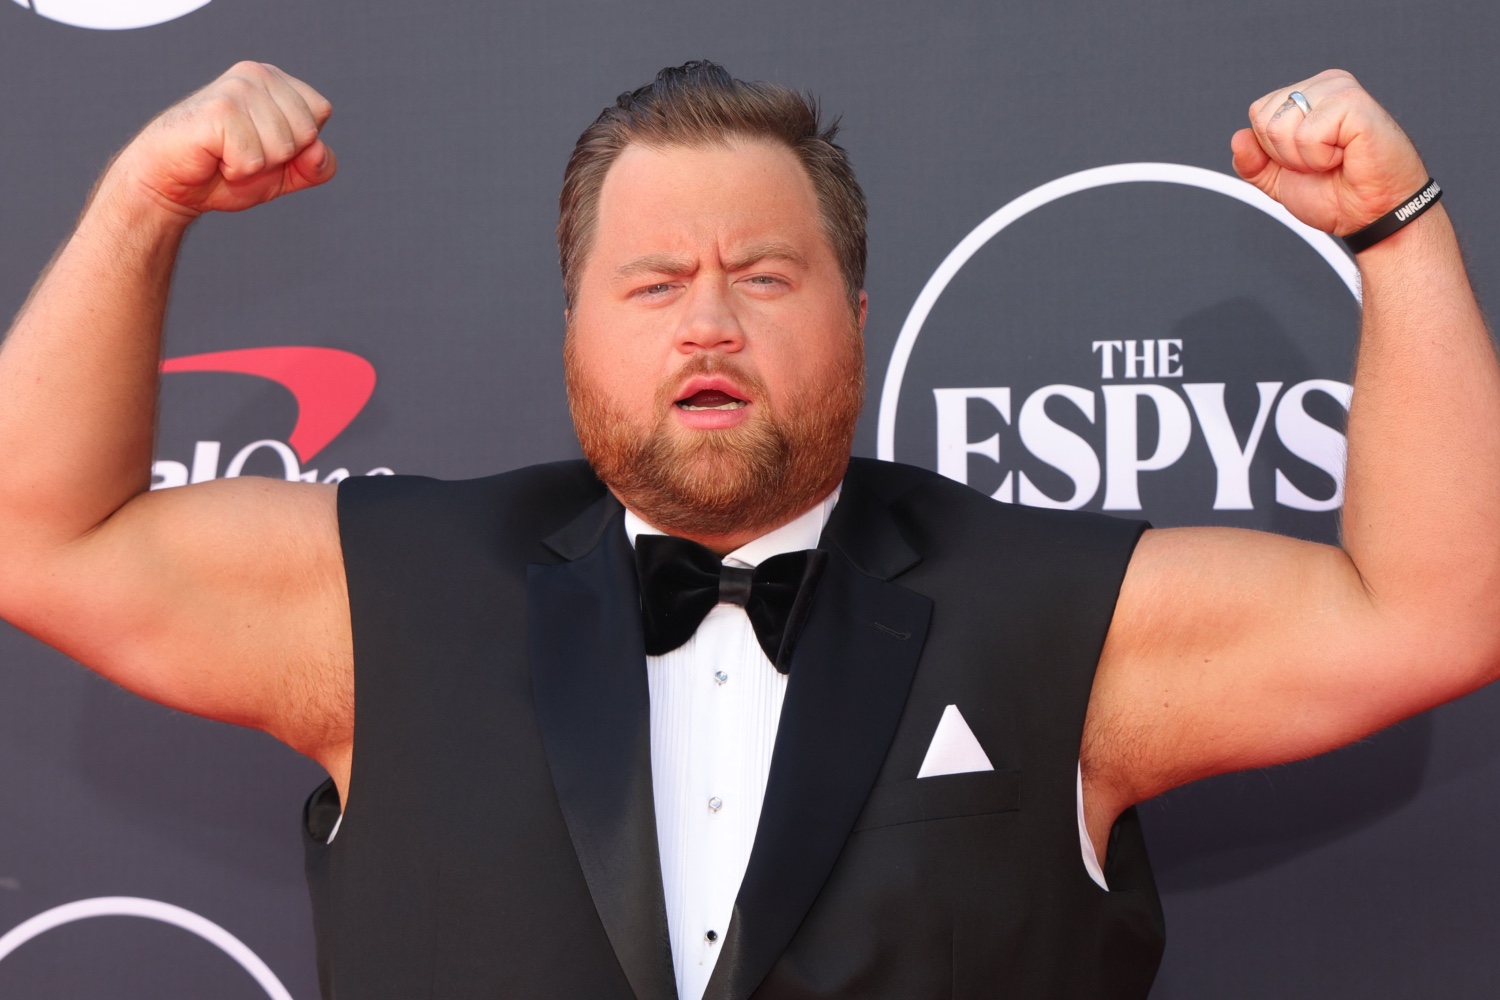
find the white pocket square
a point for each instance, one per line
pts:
(954, 748)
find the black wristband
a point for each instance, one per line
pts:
(1395, 219)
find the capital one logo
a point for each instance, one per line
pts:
(1127, 404)
(112, 15)
(330, 388)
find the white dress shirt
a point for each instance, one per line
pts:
(715, 707)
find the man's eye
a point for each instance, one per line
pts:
(763, 279)
(657, 289)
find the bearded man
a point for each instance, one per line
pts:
(722, 712)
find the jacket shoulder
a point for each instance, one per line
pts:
(516, 507)
(940, 506)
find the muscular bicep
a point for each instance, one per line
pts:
(1235, 649)
(225, 599)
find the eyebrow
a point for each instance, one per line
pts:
(754, 253)
(674, 265)
(656, 263)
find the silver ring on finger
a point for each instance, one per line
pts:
(1297, 98)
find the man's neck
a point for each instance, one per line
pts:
(723, 544)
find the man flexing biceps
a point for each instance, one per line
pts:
(714, 253)
(226, 601)
(1236, 649)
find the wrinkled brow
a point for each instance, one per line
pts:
(754, 253)
(673, 265)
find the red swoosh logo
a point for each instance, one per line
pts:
(330, 386)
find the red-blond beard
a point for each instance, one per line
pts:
(752, 477)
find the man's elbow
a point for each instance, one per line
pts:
(1461, 647)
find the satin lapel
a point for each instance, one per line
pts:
(849, 680)
(588, 669)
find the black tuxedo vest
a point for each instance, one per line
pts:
(500, 841)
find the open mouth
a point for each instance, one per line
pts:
(711, 399)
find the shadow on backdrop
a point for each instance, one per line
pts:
(1235, 825)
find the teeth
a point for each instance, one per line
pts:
(737, 404)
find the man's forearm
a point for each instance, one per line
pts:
(78, 372)
(1422, 498)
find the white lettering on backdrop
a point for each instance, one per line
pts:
(1231, 449)
(1175, 407)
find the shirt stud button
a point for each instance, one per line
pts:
(711, 936)
(720, 677)
(715, 804)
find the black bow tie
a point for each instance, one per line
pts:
(681, 581)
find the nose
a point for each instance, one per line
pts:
(708, 321)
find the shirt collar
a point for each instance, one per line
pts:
(802, 532)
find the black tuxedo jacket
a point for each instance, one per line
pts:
(500, 839)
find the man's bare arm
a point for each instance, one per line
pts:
(1235, 649)
(225, 599)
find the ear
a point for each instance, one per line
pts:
(864, 309)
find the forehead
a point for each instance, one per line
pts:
(691, 198)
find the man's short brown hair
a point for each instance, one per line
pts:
(699, 104)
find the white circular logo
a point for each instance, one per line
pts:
(1117, 173)
(148, 909)
(112, 15)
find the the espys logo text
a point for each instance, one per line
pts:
(112, 15)
(329, 386)
(1143, 372)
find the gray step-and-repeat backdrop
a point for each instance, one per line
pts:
(1073, 303)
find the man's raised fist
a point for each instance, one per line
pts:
(248, 137)
(1338, 166)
